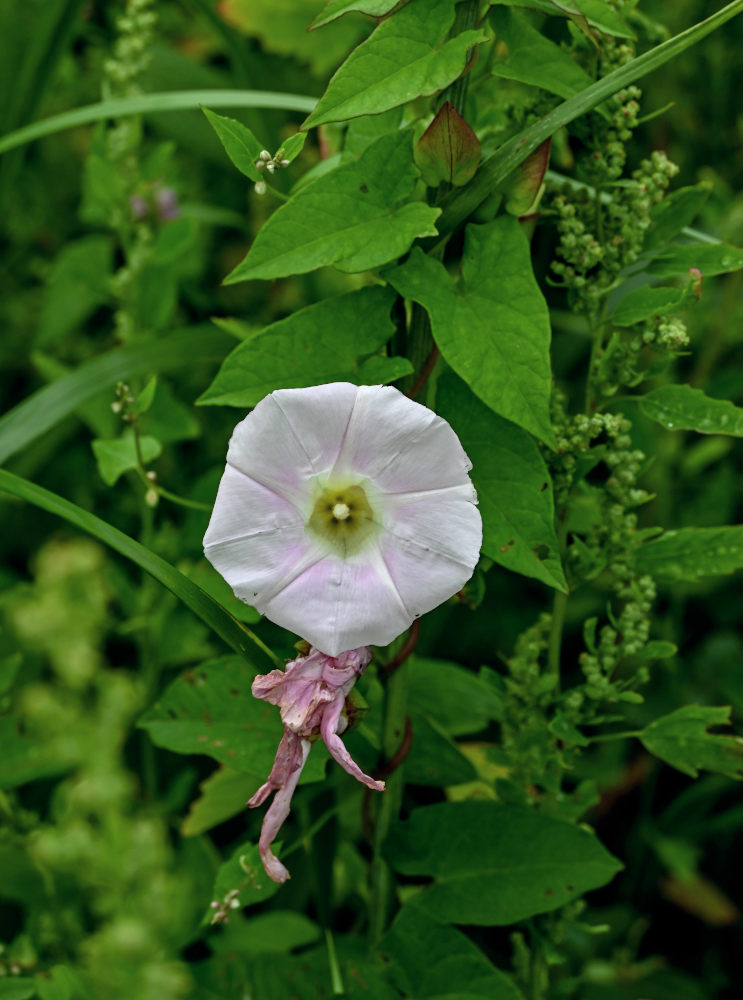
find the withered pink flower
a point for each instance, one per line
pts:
(311, 694)
(345, 512)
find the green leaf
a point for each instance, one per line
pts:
(274, 933)
(494, 328)
(211, 710)
(223, 795)
(431, 959)
(496, 864)
(463, 202)
(9, 667)
(709, 258)
(292, 147)
(645, 303)
(45, 408)
(118, 456)
(682, 408)
(448, 151)
(657, 649)
(281, 28)
(205, 576)
(228, 628)
(239, 143)
(324, 342)
(144, 400)
(61, 983)
(79, 282)
(348, 218)
(168, 419)
(17, 988)
(361, 132)
(524, 187)
(28, 756)
(596, 13)
(459, 700)
(692, 553)
(244, 874)
(144, 104)
(513, 486)
(434, 758)
(677, 211)
(337, 8)
(599, 14)
(406, 56)
(174, 240)
(681, 740)
(522, 53)
(381, 370)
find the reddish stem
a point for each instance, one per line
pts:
(405, 650)
(431, 360)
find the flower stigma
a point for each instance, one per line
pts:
(343, 519)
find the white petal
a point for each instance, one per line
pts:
(431, 544)
(339, 605)
(443, 521)
(264, 447)
(400, 445)
(255, 537)
(318, 418)
(292, 436)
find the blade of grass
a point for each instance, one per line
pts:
(233, 632)
(504, 161)
(43, 409)
(144, 104)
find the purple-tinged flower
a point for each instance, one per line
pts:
(345, 512)
(139, 207)
(167, 204)
(311, 694)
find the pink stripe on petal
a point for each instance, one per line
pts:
(339, 605)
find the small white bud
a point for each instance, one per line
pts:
(117, 406)
(265, 155)
(260, 187)
(151, 475)
(151, 498)
(270, 167)
(234, 904)
(284, 163)
(259, 164)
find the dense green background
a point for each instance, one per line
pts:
(112, 834)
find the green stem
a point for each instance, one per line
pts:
(419, 347)
(310, 832)
(336, 980)
(465, 19)
(554, 649)
(389, 805)
(559, 606)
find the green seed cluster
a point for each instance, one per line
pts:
(132, 52)
(602, 233)
(607, 546)
(132, 49)
(526, 741)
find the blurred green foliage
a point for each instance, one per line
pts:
(122, 846)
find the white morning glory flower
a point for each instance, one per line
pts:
(344, 513)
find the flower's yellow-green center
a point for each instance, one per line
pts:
(343, 518)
